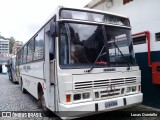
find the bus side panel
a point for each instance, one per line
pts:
(30, 84)
(31, 74)
(38, 69)
(35, 69)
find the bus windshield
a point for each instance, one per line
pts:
(81, 44)
(120, 46)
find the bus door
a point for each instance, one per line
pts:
(50, 67)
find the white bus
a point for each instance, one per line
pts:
(81, 60)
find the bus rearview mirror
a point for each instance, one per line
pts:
(52, 29)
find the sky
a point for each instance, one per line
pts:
(21, 19)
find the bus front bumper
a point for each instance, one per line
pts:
(81, 109)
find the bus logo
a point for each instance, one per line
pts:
(110, 89)
(27, 68)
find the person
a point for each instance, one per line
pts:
(9, 69)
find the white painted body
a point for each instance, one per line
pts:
(32, 77)
(57, 83)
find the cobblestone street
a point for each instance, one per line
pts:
(12, 99)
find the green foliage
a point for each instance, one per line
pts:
(11, 43)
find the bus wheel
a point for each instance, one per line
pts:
(23, 89)
(46, 111)
(44, 108)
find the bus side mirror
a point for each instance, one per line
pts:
(53, 29)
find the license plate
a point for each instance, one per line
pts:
(110, 104)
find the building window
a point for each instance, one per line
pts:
(139, 40)
(126, 1)
(157, 36)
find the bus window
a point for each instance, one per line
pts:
(85, 45)
(119, 37)
(30, 50)
(21, 55)
(24, 54)
(39, 46)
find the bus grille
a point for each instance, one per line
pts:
(104, 83)
(107, 93)
(130, 80)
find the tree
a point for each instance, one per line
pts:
(11, 43)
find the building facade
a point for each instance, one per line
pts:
(4, 46)
(17, 45)
(144, 17)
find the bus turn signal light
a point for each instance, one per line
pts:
(68, 98)
(139, 88)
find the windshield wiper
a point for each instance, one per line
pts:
(96, 59)
(122, 55)
(100, 55)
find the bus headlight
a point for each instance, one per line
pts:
(134, 89)
(86, 95)
(81, 96)
(77, 96)
(96, 94)
(128, 89)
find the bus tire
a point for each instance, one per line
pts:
(24, 91)
(46, 111)
(44, 108)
